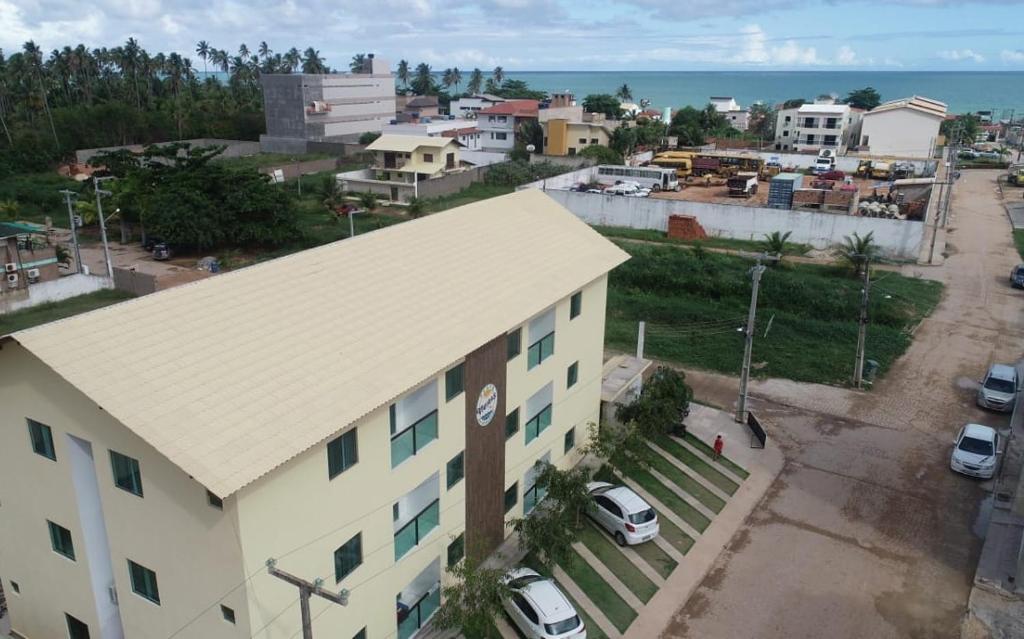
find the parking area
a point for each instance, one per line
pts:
(698, 190)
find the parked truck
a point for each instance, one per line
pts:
(742, 184)
(1015, 175)
(826, 162)
(681, 161)
(877, 169)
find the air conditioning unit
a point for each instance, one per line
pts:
(10, 267)
(12, 279)
(32, 274)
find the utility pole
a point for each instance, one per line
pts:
(862, 322)
(640, 333)
(306, 589)
(74, 230)
(755, 277)
(103, 223)
(945, 188)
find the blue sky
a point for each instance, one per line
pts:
(556, 34)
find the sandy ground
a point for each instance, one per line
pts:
(867, 533)
(718, 192)
(169, 273)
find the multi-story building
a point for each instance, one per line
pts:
(563, 136)
(908, 127)
(305, 108)
(358, 418)
(498, 124)
(739, 118)
(401, 163)
(812, 127)
(465, 131)
(470, 105)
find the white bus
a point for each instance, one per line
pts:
(655, 178)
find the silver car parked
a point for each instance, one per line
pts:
(623, 513)
(998, 391)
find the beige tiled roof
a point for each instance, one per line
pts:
(407, 143)
(916, 103)
(231, 376)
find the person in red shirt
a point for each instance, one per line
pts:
(719, 445)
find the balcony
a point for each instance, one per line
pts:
(418, 602)
(416, 515)
(410, 441)
(413, 422)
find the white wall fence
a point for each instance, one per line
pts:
(897, 239)
(53, 291)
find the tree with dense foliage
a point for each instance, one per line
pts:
(623, 140)
(686, 126)
(603, 103)
(762, 121)
(866, 98)
(793, 103)
(513, 90)
(423, 80)
(663, 400)
(476, 81)
(472, 598)
(368, 137)
(969, 125)
(415, 207)
(178, 193)
(519, 172)
(552, 527)
(858, 250)
(601, 154)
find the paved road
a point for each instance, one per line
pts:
(867, 533)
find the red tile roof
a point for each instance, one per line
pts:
(518, 108)
(452, 133)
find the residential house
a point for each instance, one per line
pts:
(468, 137)
(738, 117)
(498, 124)
(465, 131)
(908, 127)
(470, 105)
(354, 417)
(564, 136)
(26, 255)
(812, 127)
(303, 109)
(401, 162)
(415, 108)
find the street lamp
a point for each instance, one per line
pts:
(103, 223)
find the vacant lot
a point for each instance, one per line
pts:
(695, 304)
(29, 317)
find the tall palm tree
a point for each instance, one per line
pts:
(446, 78)
(624, 93)
(293, 59)
(456, 78)
(424, 79)
(357, 63)
(476, 81)
(499, 75)
(403, 72)
(264, 50)
(243, 51)
(220, 58)
(203, 51)
(312, 62)
(35, 59)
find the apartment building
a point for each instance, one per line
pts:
(498, 124)
(303, 109)
(738, 117)
(563, 136)
(470, 105)
(908, 127)
(812, 127)
(358, 418)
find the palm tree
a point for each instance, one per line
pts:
(476, 81)
(264, 50)
(35, 58)
(293, 59)
(312, 62)
(424, 80)
(416, 207)
(447, 79)
(499, 75)
(624, 93)
(357, 63)
(203, 51)
(219, 57)
(858, 251)
(403, 72)
(776, 243)
(243, 51)
(456, 78)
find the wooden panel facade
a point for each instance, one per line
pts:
(485, 447)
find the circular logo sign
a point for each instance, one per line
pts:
(486, 404)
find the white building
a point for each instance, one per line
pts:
(473, 104)
(908, 127)
(812, 127)
(465, 131)
(498, 124)
(738, 117)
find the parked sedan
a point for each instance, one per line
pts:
(623, 513)
(1017, 276)
(975, 451)
(998, 391)
(539, 609)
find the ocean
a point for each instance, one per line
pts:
(963, 92)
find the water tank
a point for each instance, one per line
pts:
(666, 115)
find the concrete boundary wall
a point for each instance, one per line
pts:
(55, 291)
(897, 239)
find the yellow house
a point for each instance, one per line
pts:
(566, 137)
(404, 158)
(365, 413)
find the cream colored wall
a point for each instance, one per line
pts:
(580, 339)
(172, 530)
(900, 133)
(437, 165)
(298, 506)
(588, 132)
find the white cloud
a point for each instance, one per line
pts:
(961, 55)
(792, 54)
(1013, 57)
(846, 56)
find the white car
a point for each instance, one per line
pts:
(622, 188)
(998, 391)
(539, 609)
(623, 513)
(975, 451)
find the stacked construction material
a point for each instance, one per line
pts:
(781, 188)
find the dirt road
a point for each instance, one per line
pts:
(867, 533)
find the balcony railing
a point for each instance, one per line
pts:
(409, 535)
(409, 442)
(417, 616)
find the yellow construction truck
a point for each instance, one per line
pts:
(681, 161)
(1015, 175)
(877, 169)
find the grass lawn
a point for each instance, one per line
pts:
(657, 558)
(262, 160)
(706, 470)
(1018, 240)
(651, 235)
(472, 193)
(36, 196)
(599, 543)
(736, 469)
(29, 317)
(694, 303)
(599, 591)
(593, 630)
(687, 483)
(666, 496)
